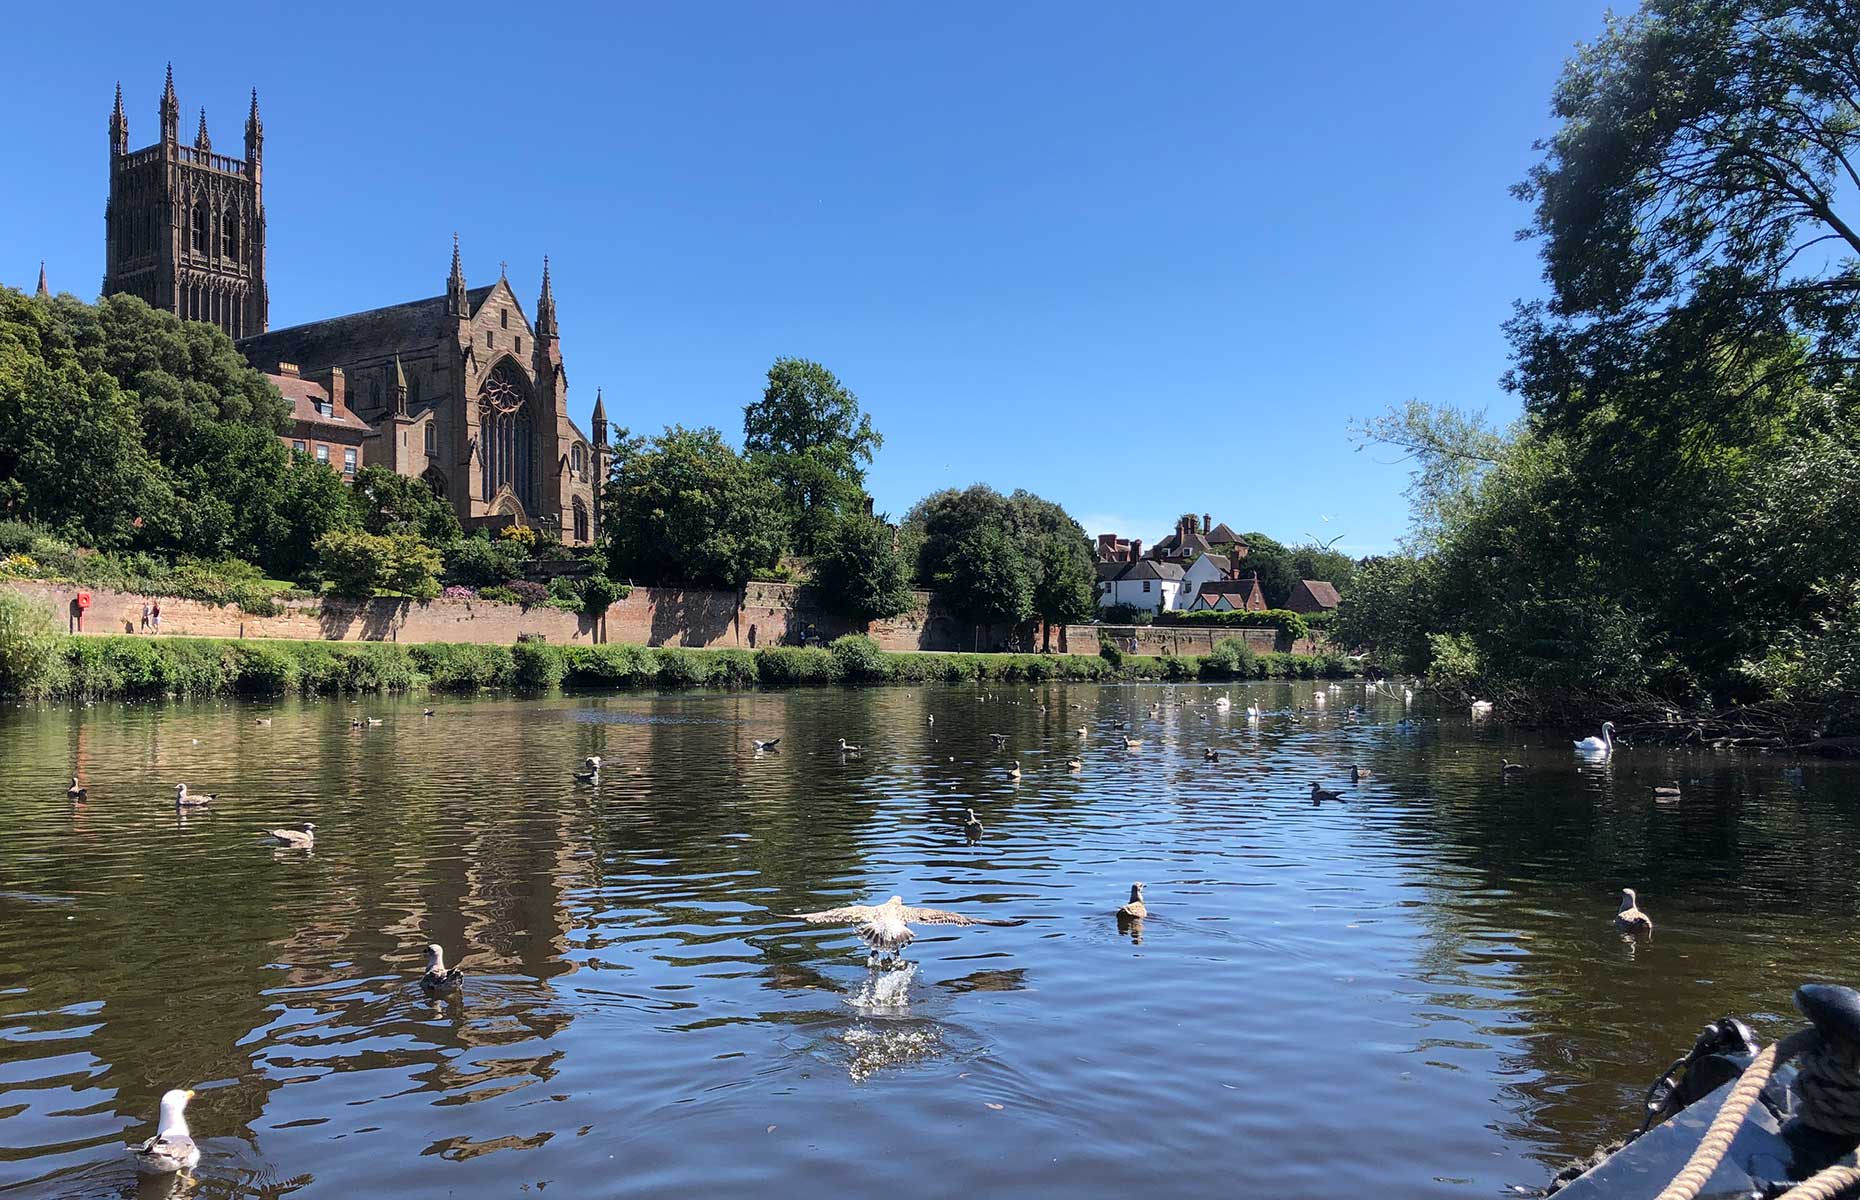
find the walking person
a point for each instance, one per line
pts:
(155, 616)
(145, 616)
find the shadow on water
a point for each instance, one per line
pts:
(1425, 973)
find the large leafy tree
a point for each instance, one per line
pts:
(684, 507)
(969, 542)
(858, 571)
(810, 437)
(394, 503)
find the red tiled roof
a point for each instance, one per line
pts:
(1313, 595)
(304, 395)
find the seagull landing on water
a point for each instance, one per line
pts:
(886, 928)
(172, 1148)
(763, 747)
(438, 980)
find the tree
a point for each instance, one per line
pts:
(1064, 583)
(1271, 560)
(394, 503)
(358, 564)
(685, 508)
(858, 571)
(483, 561)
(309, 501)
(809, 436)
(988, 580)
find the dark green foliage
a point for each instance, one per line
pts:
(1292, 625)
(528, 593)
(463, 667)
(1002, 559)
(480, 561)
(600, 593)
(537, 665)
(1231, 658)
(685, 508)
(795, 666)
(609, 666)
(1126, 614)
(393, 503)
(857, 659)
(808, 436)
(858, 571)
(499, 594)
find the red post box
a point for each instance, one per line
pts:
(83, 603)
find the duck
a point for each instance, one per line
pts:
(972, 827)
(1604, 744)
(77, 791)
(1319, 795)
(1135, 910)
(301, 838)
(373, 721)
(847, 747)
(1210, 754)
(1133, 743)
(764, 746)
(172, 1149)
(1630, 919)
(438, 980)
(183, 800)
(886, 928)
(1014, 771)
(999, 739)
(1074, 764)
(591, 769)
(1357, 774)
(1507, 767)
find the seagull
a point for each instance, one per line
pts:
(1135, 910)
(1630, 919)
(1014, 771)
(1073, 764)
(183, 800)
(886, 928)
(301, 838)
(930, 720)
(438, 980)
(262, 721)
(1481, 708)
(1507, 767)
(591, 769)
(428, 713)
(972, 828)
(1319, 795)
(1603, 745)
(172, 1148)
(848, 748)
(75, 792)
(373, 721)
(1666, 791)
(763, 747)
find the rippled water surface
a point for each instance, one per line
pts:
(1415, 992)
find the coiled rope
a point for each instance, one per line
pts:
(1828, 1084)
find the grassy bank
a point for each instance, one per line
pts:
(101, 667)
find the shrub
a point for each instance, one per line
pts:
(477, 561)
(680, 668)
(562, 594)
(463, 667)
(374, 667)
(518, 535)
(1125, 614)
(858, 659)
(1292, 625)
(352, 561)
(537, 665)
(28, 646)
(1231, 658)
(599, 593)
(527, 593)
(793, 666)
(609, 666)
(733, 668)
(264, 670)
(1110, 651)
(499, 594)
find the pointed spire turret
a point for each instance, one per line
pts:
(545, 308)
(456, 302)
(202, 142)
(600, 419)
(170, 111)
(119, 124)
(398, 385)
(254, 133)
(43, 290)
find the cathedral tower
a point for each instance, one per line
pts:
(185, 227)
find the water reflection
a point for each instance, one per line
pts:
(1427, 972)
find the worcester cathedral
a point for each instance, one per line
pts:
(462, 389)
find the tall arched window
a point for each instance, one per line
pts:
(229, 235)
(574, 461)
(200, 228)
(581, 520)
(504, 434)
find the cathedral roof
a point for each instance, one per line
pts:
(377, 333)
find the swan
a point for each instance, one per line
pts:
(1223, 703)
(172, 1148)
(1481, 708)
(847, 747)
(1599, 745)
(1630, 919)
(1136, 910)
(438, 980)
(1252, 712)
(1407, 697)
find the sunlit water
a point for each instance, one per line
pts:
(1416, 992)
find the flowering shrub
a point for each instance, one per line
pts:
(455, 592)
(528, 593)
(18, 564)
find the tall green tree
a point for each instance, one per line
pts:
(684, 507)
(858, 571)
(808, 435)
(968, 541)
(394, 503)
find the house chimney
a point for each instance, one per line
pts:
(288, 370)
(1207, 522)
(1136, 549)
(336, 384)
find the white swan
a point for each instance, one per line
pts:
(1252, 712)
(1599, 745)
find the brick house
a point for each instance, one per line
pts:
(1313, 596)
(321, 424)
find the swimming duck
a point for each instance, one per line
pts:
(183, 800)
(438, 980)
(262, 721)
(1357, 774)
(1014, 771)
(763, 747)
(1599, 745)
(301, 838)
(972, 827)
(172, 1149)
(886, 928)
(999, 739)
(1133, 743)
(373, 721)
(75, 792)
(590, 769)
(1073, 764)
(1210, 754)
(1630, 919)
(1319, 795)
(1136, 910)
(848, 748)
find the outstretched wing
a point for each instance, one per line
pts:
(837, 916)
(942, 916)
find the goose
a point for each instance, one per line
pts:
(1133, 743)
(1136, 910)
(763, 747)
(1599, 745)
(972, 827)
(301, 838)
(1481, 708)
(1319, 795)
(1630, 919)
(591, 769)
(76, 792)
(886, 928)
(438, 980)
(183, 800)
(848, 748)
(172, 1148)
(1357, 774)
(355, 723)
(1507, 767)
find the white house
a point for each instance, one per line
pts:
(1146, 583)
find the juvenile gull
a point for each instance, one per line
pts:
(183, 800)
(1630, 919)
(301, 838)
(972, 828)
(438, 980)
(172, 1148)
(886, 928)
(1136, 910)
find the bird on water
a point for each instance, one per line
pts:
(886, 928)
(301, 838)
(1630, 919)
(1135, 910)
(1319, 795)
(972, 827)
(172, 1148)
(75, 791)
(1599, 745)
(762, 747)
(847, 747)
(591, 769)
(1507, 767)
(439, 980)
(183, 800)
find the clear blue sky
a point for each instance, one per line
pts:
(1139, 259)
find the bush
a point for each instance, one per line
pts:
(528, 594)
(518, 535)
(1125, 614)
(680, 668)
(264, 670)
(794, 666)
(858, 659)
(562, 594)
(599, 593)
(609, 666)
(28, 646)
(1292, 625)
(464, 667)
(499, 594)
(1231, 658)
(538, 665)
(477, 561)
(1110, 651)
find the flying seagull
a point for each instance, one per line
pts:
(172, 1148)
(762, 746)
(886, 928)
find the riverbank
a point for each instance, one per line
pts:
(92, 667)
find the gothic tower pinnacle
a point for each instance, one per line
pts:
(456, 302)
(202, 142)
(119, 125)
(254, 137)
(43, 290)
(600, 420)
(545, 308)
(170, 112)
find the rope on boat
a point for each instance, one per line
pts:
(1711, 1148)
(1824, 1184)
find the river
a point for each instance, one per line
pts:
(1416, 992)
